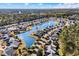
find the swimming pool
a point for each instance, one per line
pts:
(30, 40)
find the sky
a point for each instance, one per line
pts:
(37, 5)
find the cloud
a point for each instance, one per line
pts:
(67, 5)
(26, 4)
(39, 5)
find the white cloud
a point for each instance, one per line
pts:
(26, 4)
(67, 5)
(40, 4)
(60, 5)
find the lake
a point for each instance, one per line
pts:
(30, 40)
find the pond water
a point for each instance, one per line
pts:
(30, 40)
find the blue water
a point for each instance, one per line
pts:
(30, 40)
